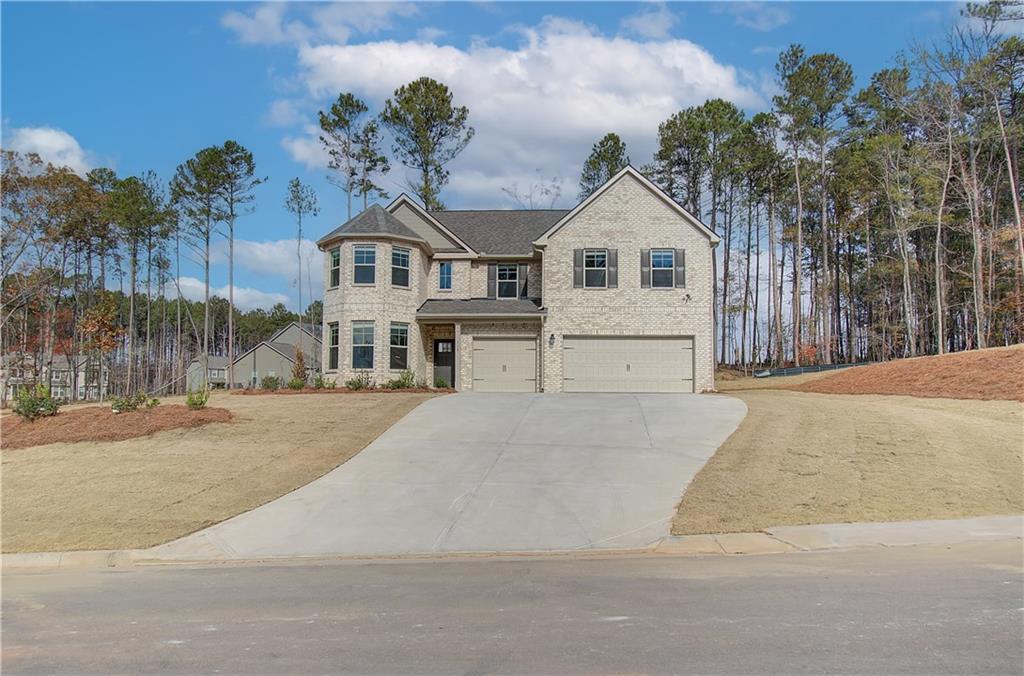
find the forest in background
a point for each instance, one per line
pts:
(866, 224)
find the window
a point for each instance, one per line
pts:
(332, 346)
(663, 268)
(362, 345)
(365, 259)
(399, 346)
(399, 267)
(508, 280)
(335, 268)
(444, 275)
(595, 268)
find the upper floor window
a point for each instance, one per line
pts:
(444, 275)
(399, 357)
(335, 268)
(663, 268)
(595, 268)
(362, 345)
(365, 263)
(399, 267)
(332, 345)
(508, 280)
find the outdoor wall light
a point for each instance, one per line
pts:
(551, 340)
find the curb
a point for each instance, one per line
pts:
(779, 540)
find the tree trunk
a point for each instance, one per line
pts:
(825, 295)
(797, 254)
(231, 298)
(776, 282)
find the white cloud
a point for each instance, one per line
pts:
(277, 260)
(307, 149)
(269, 24)
(430, 34)
(246, 298)
(759, 16)
(282, 113)
(55, 146)
(539, 105)
(654, 22)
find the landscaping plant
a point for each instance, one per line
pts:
(360, 382)
(270, 383)
(35, 403)
(197, 399)
(440, 382)
(131, 402)
(296, 384)
(406, 380)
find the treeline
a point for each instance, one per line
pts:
(860, 225)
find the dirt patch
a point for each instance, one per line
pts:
(344, 390)
(149, 490)
(995, 373)
(800, 458)
(102, 424)
(742, 383)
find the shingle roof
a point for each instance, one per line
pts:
(480, 306)
(316, 330)
(214, 361)
(500, 232)
(372, 221)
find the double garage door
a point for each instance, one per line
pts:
(505, 364)
(628, 364)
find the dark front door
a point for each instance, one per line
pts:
(444, 361)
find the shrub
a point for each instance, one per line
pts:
(153, 403)
(319, 383)
(270, 383)
(360, 382)
(296, 384)
(405, 380)
(299, 369)
(129, 402)
(440, 382)
(35, 403)
(197, 399)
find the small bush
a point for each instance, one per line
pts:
(153, 403)
(319, 383)
(330, 384)
(440, 382)
(270, 383)
(129, 402)
(296, 384)
(360, 382)
(197, 399)
(405, 381)
(35, 403)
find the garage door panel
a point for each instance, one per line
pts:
(628, 364)
(505, 364)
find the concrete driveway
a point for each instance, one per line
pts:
(494, 472)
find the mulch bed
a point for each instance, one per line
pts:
(343, 390)
(995, 373)
(99, 423)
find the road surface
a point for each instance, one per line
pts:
(929, 610)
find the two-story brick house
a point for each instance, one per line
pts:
(614, 295)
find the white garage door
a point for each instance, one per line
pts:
(628, 364)
(505, 364)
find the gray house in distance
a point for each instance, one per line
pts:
(216, 378)
(276, 356)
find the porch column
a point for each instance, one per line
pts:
(457, 358)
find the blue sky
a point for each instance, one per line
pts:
(138, 86)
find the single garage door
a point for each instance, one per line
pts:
(505, 364)
(628, 364)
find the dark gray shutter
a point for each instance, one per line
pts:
(492, 280)
(680, 267)
(645, 268)
(613, 268)
(577, 268)
(523, 269)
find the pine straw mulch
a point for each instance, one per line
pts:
(99, 423)
(995, 373)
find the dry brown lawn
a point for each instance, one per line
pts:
(802, 458)
(145, 491)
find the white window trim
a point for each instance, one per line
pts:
(407, 267)
(391, 326)
(451, 276)
(585, 268)
(333, 334)
(333, 268)
(498, 281)
(371, 345)
(355, 265)
(672, 267)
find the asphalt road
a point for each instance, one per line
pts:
(902, 610)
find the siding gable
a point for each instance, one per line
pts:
(434, 237)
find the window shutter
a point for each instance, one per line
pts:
(492, 280)
(523, 269)
(613, 268)
(645, 268)
(577, 268)
(680, 267)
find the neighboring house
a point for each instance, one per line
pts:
(18, 371)
(276, 356)
(217, 377)
(614, 295)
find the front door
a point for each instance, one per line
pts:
(444, 361)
